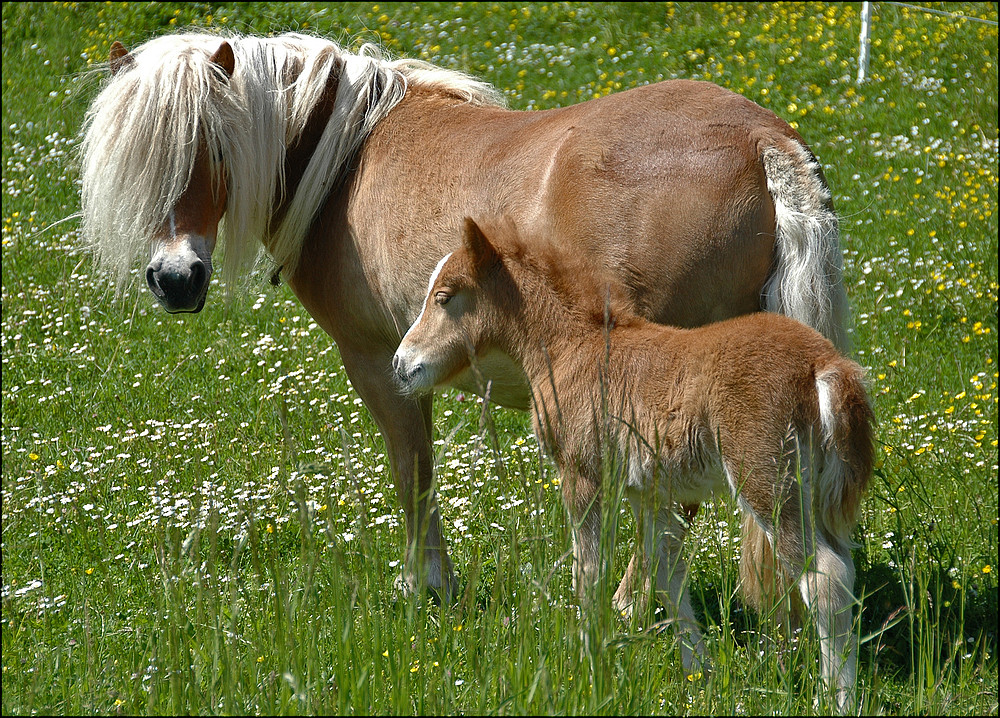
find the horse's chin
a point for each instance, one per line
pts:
(185, 305)
(185, 310)
(180, 279)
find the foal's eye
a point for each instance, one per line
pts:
(442, 298)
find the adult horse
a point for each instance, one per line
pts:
(355, 172)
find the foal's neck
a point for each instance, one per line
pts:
(551, 326)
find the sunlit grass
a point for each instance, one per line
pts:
(197, 512)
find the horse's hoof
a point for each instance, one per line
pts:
(699, 670)
(623, 609)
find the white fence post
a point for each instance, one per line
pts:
(866, 18)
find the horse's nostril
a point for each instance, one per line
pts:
(179, 282)
(171, 283)
(197, 275)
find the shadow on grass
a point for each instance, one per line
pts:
(939, 621)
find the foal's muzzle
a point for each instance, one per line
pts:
(410, 376)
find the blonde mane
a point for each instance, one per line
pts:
(142, 133)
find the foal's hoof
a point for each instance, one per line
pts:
(628, 605)
(699, 670)
(407, 586)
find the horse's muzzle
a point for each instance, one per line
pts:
(179, 289)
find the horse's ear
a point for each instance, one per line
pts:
(224, 58)
(119, 58)
(482, 253)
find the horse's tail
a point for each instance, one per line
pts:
(843, 465)
(763, 580)
(807, 279)
(845, 418)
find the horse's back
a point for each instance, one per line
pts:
(664, 185)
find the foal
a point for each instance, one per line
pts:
(761, 406)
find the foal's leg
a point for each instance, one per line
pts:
(666, 542)
(406, 425)
(826, 583)
(828, 589)
(581, 494)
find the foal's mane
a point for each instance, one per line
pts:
(142, 133)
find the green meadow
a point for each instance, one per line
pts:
(198, 516)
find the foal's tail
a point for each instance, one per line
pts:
(845, 418)
(807, 281)
(841, 469)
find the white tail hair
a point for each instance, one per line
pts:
(807, 283)
(841, 462)
(845, 421)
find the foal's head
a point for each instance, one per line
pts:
(469, 295)
(494, 296)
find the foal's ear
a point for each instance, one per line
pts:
(483, 254)
(119, 58)
(224, 58)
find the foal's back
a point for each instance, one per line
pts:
(741, 370)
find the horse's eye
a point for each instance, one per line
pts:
(442, 298)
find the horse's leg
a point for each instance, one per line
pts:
(665, 541)
(407, 427)
(632, 596)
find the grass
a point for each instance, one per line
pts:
(197, 512)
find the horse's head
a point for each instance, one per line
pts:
(458, 321)
(153, 166)
(181, 266)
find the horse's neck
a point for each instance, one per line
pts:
(300, 151)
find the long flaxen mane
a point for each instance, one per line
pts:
(142, 133)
